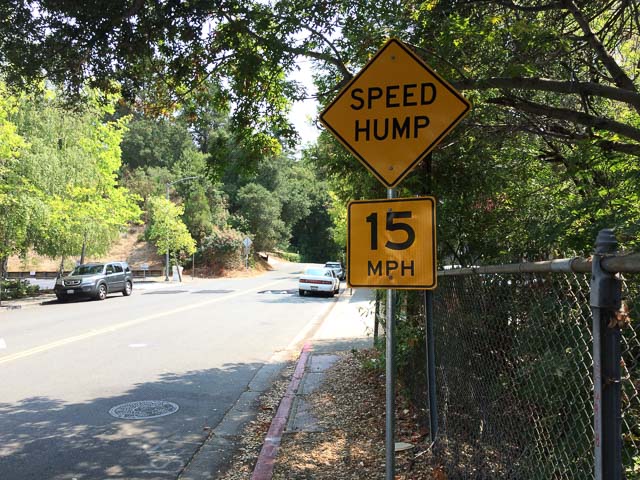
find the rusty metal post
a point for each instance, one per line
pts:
(605, 298)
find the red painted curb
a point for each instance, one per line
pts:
(267, 458)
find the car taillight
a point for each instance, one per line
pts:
(320, 282)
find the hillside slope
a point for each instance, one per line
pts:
(128, 248)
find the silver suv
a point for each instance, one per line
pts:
(336, 267)
(95, 280)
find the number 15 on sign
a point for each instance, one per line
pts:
(391, 243)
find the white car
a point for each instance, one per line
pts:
(319, 280)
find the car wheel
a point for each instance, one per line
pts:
(102, 292)
(61, 298)
(332, 293)
(128, 287)
(302, 293)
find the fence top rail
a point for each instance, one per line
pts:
(629, 263)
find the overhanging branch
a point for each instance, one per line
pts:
(547, 85)
(585, 119)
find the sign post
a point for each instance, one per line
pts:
(246, 248)
(144, 267)
(390, 379)
(390, 116)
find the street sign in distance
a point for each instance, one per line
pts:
(391, 243)
(394, 112)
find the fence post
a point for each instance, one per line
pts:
(431, 365)
(605, 298)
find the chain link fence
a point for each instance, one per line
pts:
(514, 377)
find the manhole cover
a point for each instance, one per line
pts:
(143, 409)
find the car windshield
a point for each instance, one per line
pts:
(315, 271)
(87, 270)
(333, 265)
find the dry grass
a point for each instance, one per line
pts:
(350, 408)
(129, 248)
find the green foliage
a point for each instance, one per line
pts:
(262, 210)
(17, 288)
(288, 256)
(14, 187)
(223, 241)
(166, 229)
(64, 189)
(155, 143)
(222, 249)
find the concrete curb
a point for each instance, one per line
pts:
(266, 460)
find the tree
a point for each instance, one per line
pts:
(261, 210)
(167, 231)
(14, 188)
(556, 78)
(155, 143)
(70, 165)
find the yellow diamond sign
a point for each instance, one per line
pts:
(394, 112)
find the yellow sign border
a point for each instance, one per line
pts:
(429, 198)
(429, 147)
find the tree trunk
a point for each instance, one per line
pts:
(3, 268)
(84, 248)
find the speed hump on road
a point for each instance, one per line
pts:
(391, 243)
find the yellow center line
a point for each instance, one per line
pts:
(120, 326)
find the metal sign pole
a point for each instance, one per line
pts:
(390, 379)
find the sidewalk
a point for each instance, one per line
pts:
(349, 326)
(326, 421)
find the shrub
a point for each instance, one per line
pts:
(18, 289)
(289, 256)
(222, 250)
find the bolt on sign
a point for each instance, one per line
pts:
(392, 243)
(394, 112)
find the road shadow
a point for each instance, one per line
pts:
(45, 438)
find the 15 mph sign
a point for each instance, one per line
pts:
(391, 243)
(394, 112)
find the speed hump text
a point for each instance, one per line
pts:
(391, 243)
(394, 112)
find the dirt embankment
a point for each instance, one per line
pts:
(130, 247)
(135, 251)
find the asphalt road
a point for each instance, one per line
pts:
(67, 369)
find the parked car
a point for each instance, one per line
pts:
(337, 266)
(319, 280)
(95, 280)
